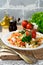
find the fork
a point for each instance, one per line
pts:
(26, 58)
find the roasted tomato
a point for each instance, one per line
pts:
(27, 33)
(33, 33)
(24, 23)
(29, 26)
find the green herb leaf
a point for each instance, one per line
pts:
(22, 31)
(26, 38)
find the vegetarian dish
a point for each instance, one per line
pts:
(25, 39)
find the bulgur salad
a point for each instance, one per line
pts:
(25, 39)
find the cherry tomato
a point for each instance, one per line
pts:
(27, 33)
(29, 26)
(24, 23)
(33, 33)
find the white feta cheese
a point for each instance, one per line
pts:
(35, 26)
(14, 39)
(33, 39)
(27, 46)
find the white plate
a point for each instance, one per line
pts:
(5, 37)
